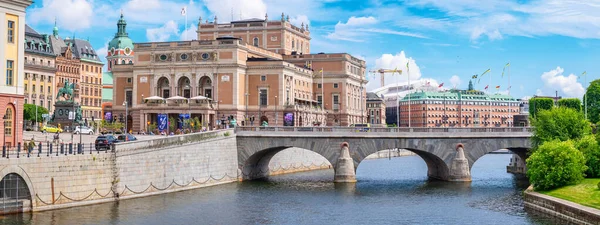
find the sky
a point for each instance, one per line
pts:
(548, 43)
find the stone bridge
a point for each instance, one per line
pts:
(448, 152)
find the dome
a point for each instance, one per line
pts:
(120, 43)
(121, 40)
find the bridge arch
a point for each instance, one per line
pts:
(258, 164)
(17, 190)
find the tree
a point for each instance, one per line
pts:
(29, 112)
(172, 124)
(590, 149)
(593, 101)
(555, 164)
(539, 104)
(573, 103)
(559, 123)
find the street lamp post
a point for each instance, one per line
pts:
(4, 127)
(276, 114)
(126, 113)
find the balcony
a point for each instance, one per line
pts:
(37, 64)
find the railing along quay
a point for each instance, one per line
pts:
(388, 130)
(49, 149)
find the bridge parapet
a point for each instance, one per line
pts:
(389, 129)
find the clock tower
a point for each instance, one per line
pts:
(120, 49)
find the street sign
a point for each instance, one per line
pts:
(45, 115)
(71, 115)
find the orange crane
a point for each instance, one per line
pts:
(382, 73)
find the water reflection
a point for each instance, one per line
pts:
(395, 191)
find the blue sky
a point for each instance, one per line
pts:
(548, 43)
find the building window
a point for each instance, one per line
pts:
(129, 97)
(336, 99)
(33, 88)
(263, 97)
(129, 80)
(49, 106)
(49, 90)
(263, 78)
(319, 85)
(8, 122)
(11, 32)
(9, 72)
(320, 99)
(255, 42)
(42, 88)
(335, 85)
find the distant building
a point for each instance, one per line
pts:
(12, 65)
(375, 109)
(522, 119)
(457, 108)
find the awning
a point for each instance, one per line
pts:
(200, 98)
(177, 98)
(154, 98)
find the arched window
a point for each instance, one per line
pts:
(123, 62)
(8, 122)
(255, 42)
(130, 62)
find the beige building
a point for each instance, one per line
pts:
(274, 79)
(12, 67)
(40, 82)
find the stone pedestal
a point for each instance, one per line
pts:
(459, 169)
(344, 170)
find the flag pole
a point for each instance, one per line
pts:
(509, 87)
(490, 97)
(397, 99)
(409, 102)
(585, 96)
(323, 97)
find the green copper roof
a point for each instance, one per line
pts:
(455, 95)
(121, 40)
(107, 78)
(107, 95)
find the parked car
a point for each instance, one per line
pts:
(361, 127)
(84, 130)
(126, 137)
(51, 129)
(105, 141)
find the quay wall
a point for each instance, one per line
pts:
(559, 209)
(141, 168)
(390, 153)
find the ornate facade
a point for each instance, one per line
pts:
(222, 78)
(40, 70)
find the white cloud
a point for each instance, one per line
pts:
(356, 29)
(539, 92)
(245, 9)
(189, 34)
(162, 33)
(391, 62)
(299, 20)
(455, 81)
(567, 85)
(71, 15)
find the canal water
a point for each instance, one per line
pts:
(392, 191)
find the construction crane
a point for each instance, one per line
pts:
(382, 73)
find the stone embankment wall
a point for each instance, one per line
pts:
(562, 210)
(393, 152)
(141, 168)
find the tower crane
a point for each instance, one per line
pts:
(382, 73)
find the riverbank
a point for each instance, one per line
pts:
(562, 209)
(585, 193)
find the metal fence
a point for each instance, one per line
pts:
(14, 193)
(49, 149)
(394, 129)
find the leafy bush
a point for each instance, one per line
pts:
(591, 152)
(226, 134)
(539, 104)
(598, 185)
(555, 164)
(573, 103)
(559, 123)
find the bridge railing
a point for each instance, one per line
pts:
(391, 129)
(49, 149)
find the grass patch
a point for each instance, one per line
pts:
(585, 193)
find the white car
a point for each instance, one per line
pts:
(84, 130)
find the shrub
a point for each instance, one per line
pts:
(598, 185)
(573, 103)
(226, 134)
(559, 123)
(539, 104)
(555, 164)
(591, 152)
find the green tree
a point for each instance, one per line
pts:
(593, 101)
(573, 103)
(555, 164)
(172, 124)
(539, 104)
(559, 123)
(591, 152)
(29, 112)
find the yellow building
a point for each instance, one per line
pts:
(12, 31)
